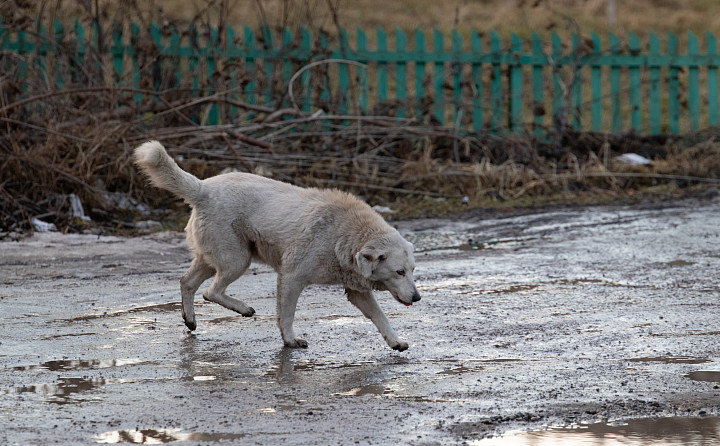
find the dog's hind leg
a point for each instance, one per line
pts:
(198, 273)
(365, 301)
(229, 269)
(288, 290)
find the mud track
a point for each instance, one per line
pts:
(528, 319)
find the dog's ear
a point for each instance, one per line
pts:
(367, 261)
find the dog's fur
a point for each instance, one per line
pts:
(309, 236)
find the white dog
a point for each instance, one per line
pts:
(309, 236)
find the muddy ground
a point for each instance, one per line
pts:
(528, 319)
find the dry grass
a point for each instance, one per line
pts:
(515, 16)
(505, 17)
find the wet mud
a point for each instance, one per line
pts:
(543, 327)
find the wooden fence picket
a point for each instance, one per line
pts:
(635, 85)
(673, 86)
(712, 67)
(596, 76)
(538, 85)
(477, 81)
(615, 92)
(344, 75)
(420, 71)
(401, 73)
(250, 67)
(439, 77)
(560, 111)
(516, 85)
(693, 83)
(496, 90)
(382, 67)
(306, 48)
(456, 73)
(655, 87)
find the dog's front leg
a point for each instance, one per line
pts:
(365, 301)
(289, 289)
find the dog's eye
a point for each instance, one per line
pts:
(401, 273)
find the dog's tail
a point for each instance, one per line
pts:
(163, 171)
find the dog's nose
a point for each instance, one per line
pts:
(416, 297)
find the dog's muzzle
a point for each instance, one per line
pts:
(415, 298)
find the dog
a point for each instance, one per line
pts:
(307, 235)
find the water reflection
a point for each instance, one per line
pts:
(672, 359)
(671, 431)
(80, 364)
(161, 436)
(65, 389)
(712, 376)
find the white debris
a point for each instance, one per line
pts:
(76, 208)
(148, 225)
(42, 226)
(263, 171)
(383, 209)
(633, 159)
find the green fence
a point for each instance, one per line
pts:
(474, 82)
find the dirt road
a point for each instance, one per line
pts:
(528, 319)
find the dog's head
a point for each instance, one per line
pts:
(389, 262)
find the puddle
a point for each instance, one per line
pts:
(577, 281)
(335, 317)
(80, 364)
(366, 390)
(461, 370)
(63, 391)
(471, 246)
(308, 366)
(485, 361)
(161, 436)
(512, 289)
(65, 335)
(672, 359)
(689, 333)
(678, 263)
(313, 365)
(239, 319)
(508, 290)
(711, 376)
(202, 378)
(420, 399)
(156, 308)
(673, 431)
(434, 240)
(466, 366)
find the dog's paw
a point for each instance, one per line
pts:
(400, 346)
(191, 325)
(296, 343)
(249, 312)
